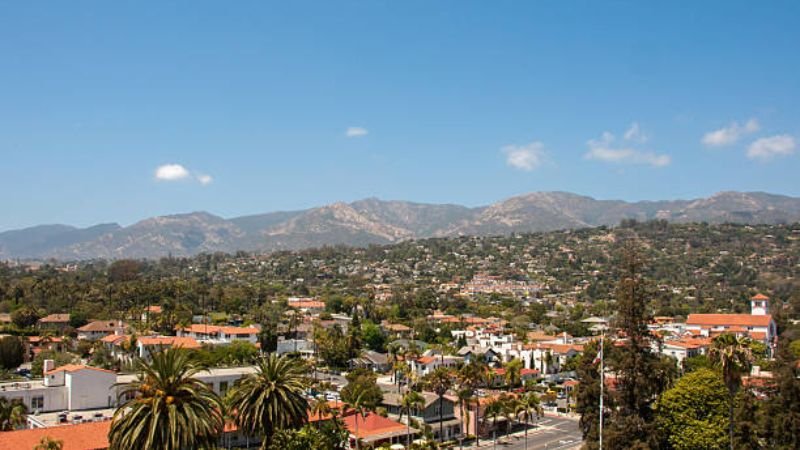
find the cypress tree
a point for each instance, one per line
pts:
(641, 374)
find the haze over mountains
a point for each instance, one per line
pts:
(373, 221)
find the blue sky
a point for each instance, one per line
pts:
(113, 111)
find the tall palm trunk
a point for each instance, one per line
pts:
(526, 430)
(357, 445)
(477, 431)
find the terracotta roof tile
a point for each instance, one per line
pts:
(173, 341)
(84, 436)
(729, 320)
(77, 367)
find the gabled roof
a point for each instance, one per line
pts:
(730, 320)
(84, 436)
(55, 318)
(115, 338)
(760, 296)
(102, 326)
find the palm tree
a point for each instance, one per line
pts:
(320, 408)
(169, 407)
(529, 405)
(510, 406)
(471, 376)
(439, 381)
(272, 398)
(48, 443)
(361, 400)
(12, 414)
(513, 373)
(465, 396)
(411, 401)
(734, 356)
(493, 410)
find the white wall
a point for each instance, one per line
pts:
(90, 389)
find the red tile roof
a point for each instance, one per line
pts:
(371, 425)
(114, 338)
(199, 328)
(426, 360)
(730, 320)
(55, 318)
(306, 304)
(75, 368)
(172, 341)
(84, 436)
(760, 296)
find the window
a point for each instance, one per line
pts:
(37, 402)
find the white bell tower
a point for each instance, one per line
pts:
(759, 305)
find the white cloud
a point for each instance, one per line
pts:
(525, 157)
(171, 172)
(204, 179)
(731, 134)
(769, 147)
(356, 132)
(177, 172)
(635, 133)
(604, 149)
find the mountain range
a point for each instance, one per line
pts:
(374, 221)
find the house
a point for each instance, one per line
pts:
(374, 361)
(427, 363)
(64, 388)
(214, 334)
(151, 313)
(306, 305)
(97, 329)
(475, 412)
(683, 348)
(37, 344)
(471, 352)
(84, 388)
(429, 413)
(58, 322)
(371, 429)
(303, 347)
(548, 358)
(758, 325)
(396, 330)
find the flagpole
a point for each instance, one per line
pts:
(602, 383)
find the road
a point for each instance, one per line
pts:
(553, 433)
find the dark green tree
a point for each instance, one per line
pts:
(782, 415)
(641, 374)
(25, 317)
(693, 414)
(12, 352)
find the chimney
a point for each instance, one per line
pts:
(48, 365)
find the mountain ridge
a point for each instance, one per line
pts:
(374, 221)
